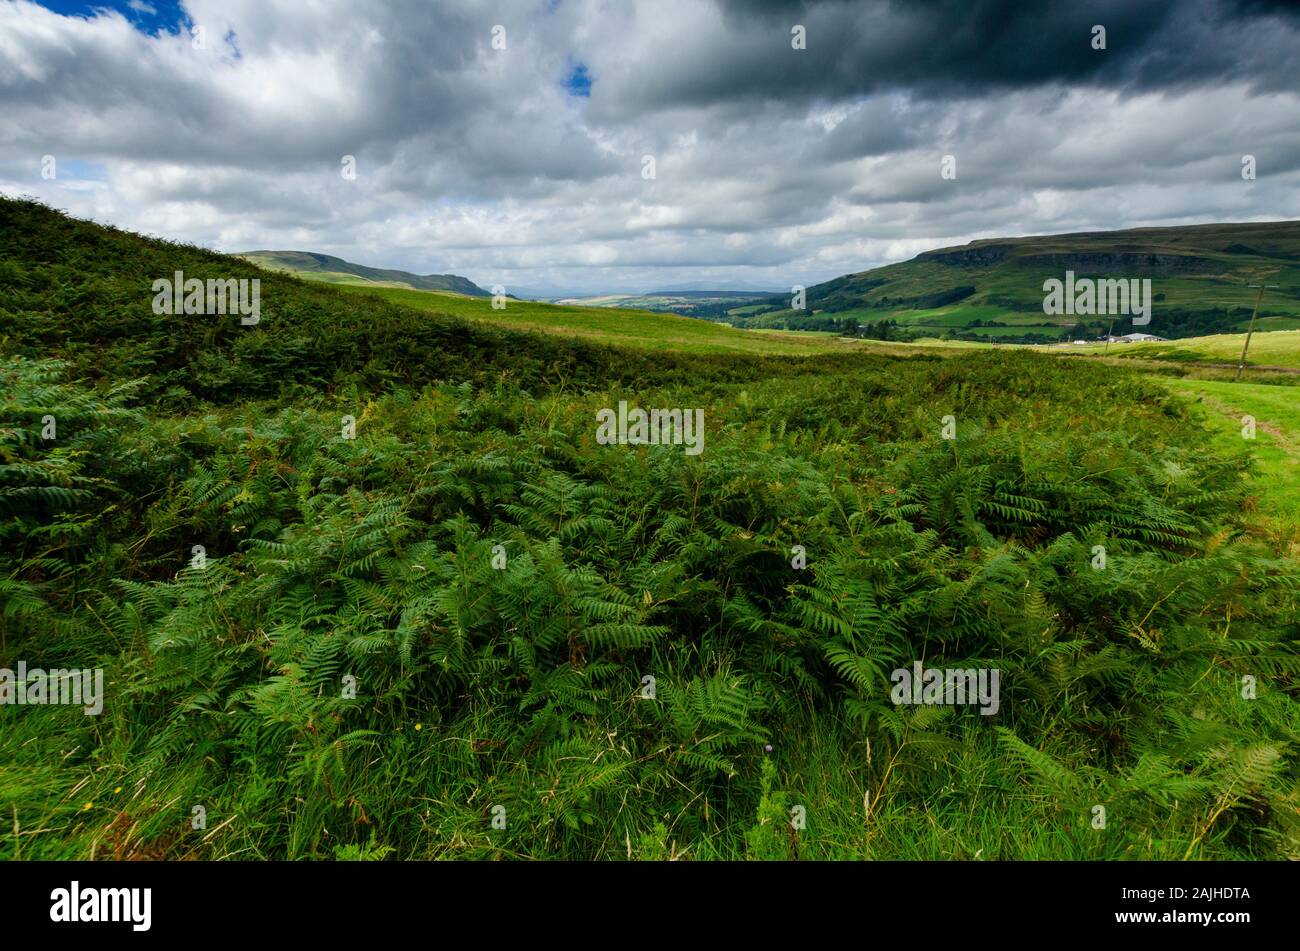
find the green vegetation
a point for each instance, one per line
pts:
(643, 330)
(332, 270)
(1199, 277)
(1279, 348)
(514, 691)
(1266, 324)
(1276, 411)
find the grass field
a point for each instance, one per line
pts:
(958, 316)
(339, 277)
(1266, 324)
(1276, 446)
(1278, 348)
(646, 330)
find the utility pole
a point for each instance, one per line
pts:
(1246, 346)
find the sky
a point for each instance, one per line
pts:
(589, 146)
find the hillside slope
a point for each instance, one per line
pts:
(994, 288)
(642, 330)
(332, 270)
(84, 291)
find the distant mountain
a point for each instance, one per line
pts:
(994, 288)
(709, 305)
(542, 292)
(716, 292)
(332, 270)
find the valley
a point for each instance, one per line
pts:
(368, 578)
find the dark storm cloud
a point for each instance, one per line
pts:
(879, 127)
(965, 48)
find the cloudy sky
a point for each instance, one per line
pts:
(226, 123)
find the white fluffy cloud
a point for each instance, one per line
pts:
(774, 166)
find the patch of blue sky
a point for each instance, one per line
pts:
(72, 169)
(577, 81)
(147, 16)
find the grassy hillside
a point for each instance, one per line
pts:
(332, 270)
(1276, 411)
(1276, 348)
(85, 293)
(643, 330)
(468, 629)
(994, 288)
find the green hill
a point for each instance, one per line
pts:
(639, 329)
(993, 289)
(332, 270)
